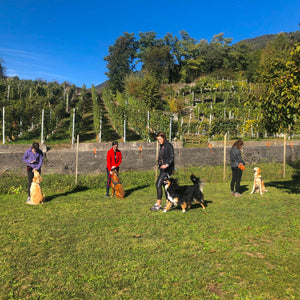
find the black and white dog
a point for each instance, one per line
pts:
(183, 195)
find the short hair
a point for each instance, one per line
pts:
(35, 146)
(238, 144)
(115, 143)
(162, 135)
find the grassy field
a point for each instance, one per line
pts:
(81, 245)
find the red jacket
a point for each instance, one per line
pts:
(111, 160)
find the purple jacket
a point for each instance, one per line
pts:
(37, 157)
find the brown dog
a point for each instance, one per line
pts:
(36, 196)
(258, 184)
(116, 186)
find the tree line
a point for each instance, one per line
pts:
(140, 68)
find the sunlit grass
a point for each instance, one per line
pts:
(81, 245)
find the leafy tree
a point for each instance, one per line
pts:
(273, 59)
(281, 105)
(217, 53)
(120, 60)
(158, 62)
(150, 92)
(239, 57)
(133, 84)
(2, 69)
(146, 42)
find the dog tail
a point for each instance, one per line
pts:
(198, 182)
(195, 179)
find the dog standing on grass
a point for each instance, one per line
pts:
(116, 185)
(183, 195)
(258, 184)
(36, 196)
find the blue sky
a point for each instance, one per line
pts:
(67, 40)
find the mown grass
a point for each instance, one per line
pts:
(81, 245)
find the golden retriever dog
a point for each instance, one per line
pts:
(116, 185)
(258, 184)
(36, 196)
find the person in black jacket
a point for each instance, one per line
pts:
(166, 166)
(236, 160)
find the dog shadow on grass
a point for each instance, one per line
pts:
(197, 205)
(73, 191)
(130, 191)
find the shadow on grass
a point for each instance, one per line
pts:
(73, 191)
(128, 192)
(197, 205)
(243, 189)
(291, 186)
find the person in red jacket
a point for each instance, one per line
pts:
(113, 161)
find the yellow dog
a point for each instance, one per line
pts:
(36, 196)
(258, 184)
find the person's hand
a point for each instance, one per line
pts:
(32, 162)
(164, 166)
(113, 167)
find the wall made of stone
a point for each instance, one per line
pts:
(93, 162)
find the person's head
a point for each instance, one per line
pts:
(35, 147)
(238, 144)
(115, 145)
(161, 137)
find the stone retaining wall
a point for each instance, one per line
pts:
(92, 157)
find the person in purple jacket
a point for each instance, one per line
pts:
(33, 157)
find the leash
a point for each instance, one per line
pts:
(116, 182)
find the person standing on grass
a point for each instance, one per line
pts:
(166, 166)
(33, 157)
(113, 161)
(237, 166)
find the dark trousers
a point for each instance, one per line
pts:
(109, 180)
(30, 176)
(236, 179)
(159, 182)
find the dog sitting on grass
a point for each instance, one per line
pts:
(258, 183)
(36, 196)
(116, 185)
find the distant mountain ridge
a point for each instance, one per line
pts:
(261, 41)
(102, 85)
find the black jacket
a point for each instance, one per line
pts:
(166, 156)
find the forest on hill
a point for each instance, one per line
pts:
(176, 84)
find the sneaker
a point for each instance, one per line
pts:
(232, 193)
(28, 199)
(155, 207)
(237, 194)
(106, 196)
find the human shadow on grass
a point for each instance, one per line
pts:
(243, 189)
(73, 191)
(128, 192)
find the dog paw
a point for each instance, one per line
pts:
(183, 210)
(165, 211)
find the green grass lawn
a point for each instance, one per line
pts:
(81, 245)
